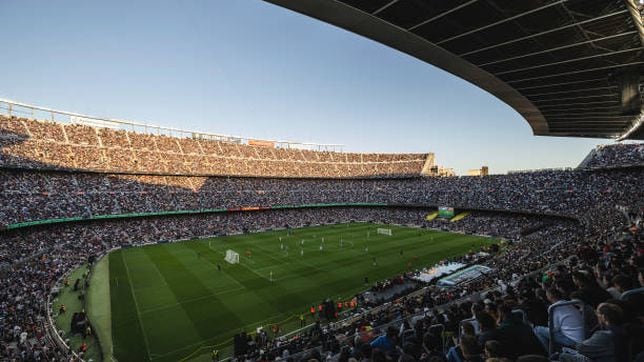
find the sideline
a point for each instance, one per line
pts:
(99, 306)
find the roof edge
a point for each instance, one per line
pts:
(373, 28)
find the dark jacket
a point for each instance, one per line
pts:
(518, 339)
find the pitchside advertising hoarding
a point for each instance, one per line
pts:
(445, 212)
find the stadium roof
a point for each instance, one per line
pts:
(569, 67)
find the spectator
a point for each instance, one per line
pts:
(515, 336)
(605, 344)
(567, 322)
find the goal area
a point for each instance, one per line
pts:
(232, 257)
(383, 231)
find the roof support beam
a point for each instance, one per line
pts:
(571, 98)
(575, 72)
(384, 7)
(565, 107)
(602, 126)
(554, 115)
(636, 15)
(584, 118)
(541, 85)
(542, 33)
(436, 17)
(571, 60)
(555, 110)
(558, 48)
(501, 22)
(637, 123)
(570, 91)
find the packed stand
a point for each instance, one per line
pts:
(35, 144)
(541, 241)
(30, 195)
(614, 156)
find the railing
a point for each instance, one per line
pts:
(13, 108)
(51, 326)
(628, 293)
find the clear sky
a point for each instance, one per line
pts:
(249, 68)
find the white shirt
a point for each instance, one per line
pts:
(568, 320)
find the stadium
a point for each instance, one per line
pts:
(125, 241)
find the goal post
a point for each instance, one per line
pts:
(232, 257)
(383, 231)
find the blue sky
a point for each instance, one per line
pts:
(249, 68)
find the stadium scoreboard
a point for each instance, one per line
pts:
(445, 212)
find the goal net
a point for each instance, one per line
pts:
(232, 257)
(382, 231)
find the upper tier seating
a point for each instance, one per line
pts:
(30, 195)
(29, 143)
(616, 155)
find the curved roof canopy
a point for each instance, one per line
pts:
(569, 67)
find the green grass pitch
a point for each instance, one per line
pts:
(169, 301)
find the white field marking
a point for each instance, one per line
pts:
(228, 276)
(310, 265)
(168, 306)
(267, 251)
(168, 286)
(251, 269)
(138, 311)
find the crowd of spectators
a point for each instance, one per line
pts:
(546, 217)
(31, 195)
(616, 155)
(34, 258)
(40, 144)
(508, 321)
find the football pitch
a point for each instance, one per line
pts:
(171, 302)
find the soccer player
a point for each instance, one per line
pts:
(375, 263)
(218, 266)
(301, 252)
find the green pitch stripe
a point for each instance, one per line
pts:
(161, 314)
(187, 305)
(189, 290)
(129, 343)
